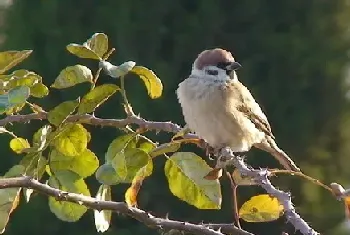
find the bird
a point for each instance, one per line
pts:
(219, 109)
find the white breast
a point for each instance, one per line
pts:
(205, 114)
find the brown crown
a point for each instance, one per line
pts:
(213, 57)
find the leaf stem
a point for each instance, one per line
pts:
(300, 174)
(98, 72)
(234, 199)
(127, 106)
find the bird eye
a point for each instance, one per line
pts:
(212, 72)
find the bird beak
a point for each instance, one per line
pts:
(233, 66)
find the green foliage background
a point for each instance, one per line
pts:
(294, 55)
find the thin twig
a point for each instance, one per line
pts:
(234, 199)
(119, 207)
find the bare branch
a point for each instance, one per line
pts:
(120, 207)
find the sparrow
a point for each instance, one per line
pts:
(222, 111)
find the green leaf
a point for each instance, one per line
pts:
(129, 162)
(103, 217)
(19, 144)
(98, 43)
(117, 71)
(165, 148)
(147, 146)
(132, 192)
(70, 182)
(73, 75)
(118, 145)
(261, 208)
(96, 97)
(72, 140)
(41, 136)
(61, 112)
(107, 175)
(39, 90)
(34, 164)
(18, 95)
(9, 59)
(185, 173)
(9, 198)
(152, 82)
(82, 51)
(84, 164)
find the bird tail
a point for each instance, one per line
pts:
(271, 147)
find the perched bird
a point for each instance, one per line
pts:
(222, 111)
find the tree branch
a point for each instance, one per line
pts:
(120, 207)
(260, 176)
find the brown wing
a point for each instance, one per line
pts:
(250, 108)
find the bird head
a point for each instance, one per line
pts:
(216, 64)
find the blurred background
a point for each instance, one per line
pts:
(295, 57)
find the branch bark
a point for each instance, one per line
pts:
(120, 207)
(260, 176)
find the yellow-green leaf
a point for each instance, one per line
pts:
(34, 164)
(118, 145)
(72, 140)
(40, 137)
(185, 173)
(117, 71)
(70, 182)
(9, 198)
(261, 208)
(61, 112)
(96, 97)
(84, 164)
(19, 144)
(98, 43)
(128, 163)
(107, 175)
(165, 148)
(132, 192)
(103, 217)
(72, 75)
(39, 90)
(152, 82)
(82, 51)
(9, 59)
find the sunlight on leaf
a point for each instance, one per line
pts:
(19, 144)
(72, 75)
(129, 162)
(117, 71)
(9, 198)
(60, 113)
(98, 43)
(165, 148)
(185, 172)
(70, 182)
(96, 97)
(152, 82)
(261, 208)
(40, 137)
(103, 217)
(34, 164)
(72, 141)
(9, 59)
(82, 51)
(133, 190)
(84, 164)
(39, 90)
(118, 145)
